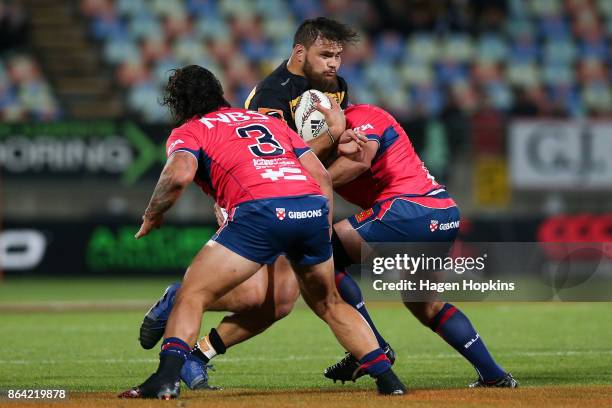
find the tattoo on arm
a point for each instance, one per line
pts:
(171, 185)
(164, 196)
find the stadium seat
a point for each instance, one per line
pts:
(500, 95)
(555, 74)
(560, 51)
(597, 97)
(523, 74)
(389, 47)
(524, 50)
(130, 8)
(143, 25)
(450, 71)
(491, 47)
(545, 7)
(457, 48)
(423, 47)
(415, 72)
(119, 50)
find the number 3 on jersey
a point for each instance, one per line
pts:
(266, 145)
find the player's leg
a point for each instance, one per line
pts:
(266, 297)
(269, 295)
(274, 302)
(456, 329)
(347, 251)
(318, 290)
(307, 244)
(443, 318)
(347, 244)
(214, 271)
(248, 296)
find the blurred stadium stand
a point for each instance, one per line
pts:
(457, 73)
(25, 93)
(525, 58)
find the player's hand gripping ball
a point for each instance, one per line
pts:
(309, 122)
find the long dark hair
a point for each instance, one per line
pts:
(193, 91)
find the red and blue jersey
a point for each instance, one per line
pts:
(396, 168)
(244, 155)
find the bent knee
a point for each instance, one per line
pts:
(285, 300)
(282, 309)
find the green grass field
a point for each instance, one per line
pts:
(542, 344)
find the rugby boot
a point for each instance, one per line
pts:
(507, 381)
(195, 374)
(347, 369)
(387, 383)
(154, 387)
(154, 323)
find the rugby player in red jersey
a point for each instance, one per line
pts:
(279, 199)
(400, 199)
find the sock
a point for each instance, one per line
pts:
(171, 358)
(209, 346)
(457, 330)
(350, 292)
(375, 363)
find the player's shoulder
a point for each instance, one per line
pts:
(361, 108)
(362, 111)
(279, 80)
(342, 85)
(188, 127)
(368, 117)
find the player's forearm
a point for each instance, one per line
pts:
(345, 170)
(321, 146)
(166, 193)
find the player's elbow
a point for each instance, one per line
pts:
(179, 179)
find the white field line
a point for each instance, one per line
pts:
(239, 360)
(76, 306)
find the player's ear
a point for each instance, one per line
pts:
(299, 51)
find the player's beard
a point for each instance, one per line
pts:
(319, 81)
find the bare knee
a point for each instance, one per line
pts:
(283, 289)
(199, 300)
(285, 301)
(424, 311)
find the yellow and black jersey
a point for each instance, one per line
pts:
(278, 94)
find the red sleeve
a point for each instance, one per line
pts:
(183, 139)
(371, 124)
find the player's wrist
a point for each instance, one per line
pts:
(334, 134)
(331, 137)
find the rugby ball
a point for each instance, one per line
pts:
(309, 122)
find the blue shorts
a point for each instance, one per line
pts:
(261, 230)
(409, 219)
